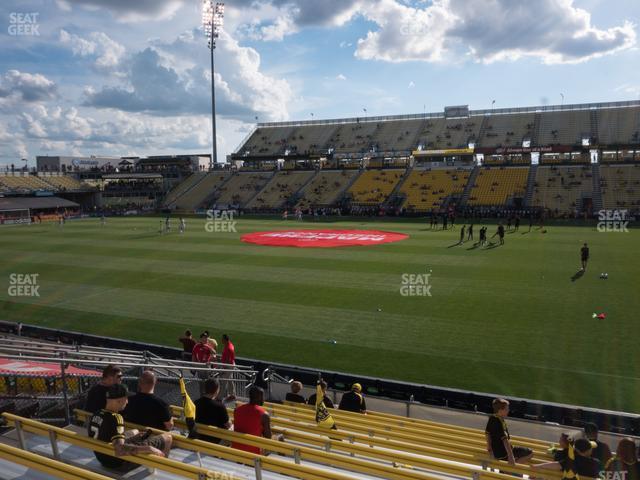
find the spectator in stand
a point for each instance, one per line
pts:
(601, 451)
(294, 394)
(97, 395)
(188, 343)
(107, 425)
(228, 358)
(582, 465)
(251, 418)
(498, 438)
(353, 401)
(326, 400)
(203, 352)
(210, 411)
(146, 408)
(212, 341)
(625, 461)
(560, 452)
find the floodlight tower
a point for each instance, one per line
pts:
(212, 18)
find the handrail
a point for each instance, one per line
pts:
(299, 452)
(47, 465)
(413, 454)
(364, 423)
(411, 423)
(151, 461)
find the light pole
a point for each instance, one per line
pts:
(562, 95)
(212, 15)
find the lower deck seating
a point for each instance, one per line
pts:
(241, 188)
(196, 195)
(561, 188)
(24, 183)
(497, 185)
(620, 186)
(427, 189)
(326, 188)
(182, 187)
(374, 186)
(282, 186)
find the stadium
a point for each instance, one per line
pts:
(440, 295)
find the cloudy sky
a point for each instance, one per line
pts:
(131, 77)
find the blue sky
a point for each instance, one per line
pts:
(124, 77)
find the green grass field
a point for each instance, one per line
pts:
(506, 320)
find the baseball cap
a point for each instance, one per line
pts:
(356, 387)
(117, 390)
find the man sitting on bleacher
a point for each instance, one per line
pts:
(294, 394)
(326, 400)
(353, 401)
(97, 395)
(108, 426)
(210, 411)
(146, 408)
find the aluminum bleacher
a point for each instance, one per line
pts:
(280, 188)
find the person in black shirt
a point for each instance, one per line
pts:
(601, 451)
(560, 452)
(107, 425)
(498, 438)
(500, 233)
(584, 256)
(97, 395)
(210, 411)
(326, 400)
(188, 343)
(577, 462)
(353, 401)
(294, 394)
(625, 462)
(147, 409)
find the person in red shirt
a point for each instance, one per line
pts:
(228, 358)
(202, 351)
(229, 351)
(252, 419)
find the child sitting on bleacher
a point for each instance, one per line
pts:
(498, 438)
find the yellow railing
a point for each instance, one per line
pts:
(46, 465)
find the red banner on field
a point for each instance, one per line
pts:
(322, 238)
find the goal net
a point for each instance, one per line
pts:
(15, 216)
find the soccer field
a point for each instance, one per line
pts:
(506, 320)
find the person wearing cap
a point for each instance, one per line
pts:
(203, 352)
(578, 462)
(97, 394)
(353, 401)
(601, 451)
(294, 395)
(107, 425)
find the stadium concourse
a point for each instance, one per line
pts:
(433, 444)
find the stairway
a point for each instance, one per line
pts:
(531, 185)
(470, 183)
(298, 194)
(394, 196)
(172, 204)
(208, 200)
(594, 127)
(537, 119)
(482, 131)
(598, 204)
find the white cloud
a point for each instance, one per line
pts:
(340, 77)
(411, 84)
(555, 31)
(108, 52)
(17, 87)
(174, 78)
(128, 10)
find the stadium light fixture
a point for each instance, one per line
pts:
(562, 95)
(212, 19)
